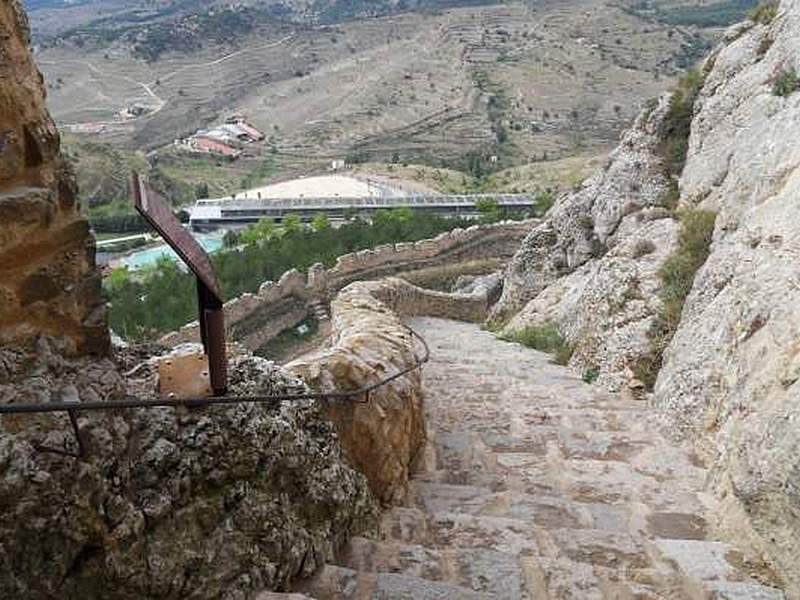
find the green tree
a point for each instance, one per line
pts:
(320, 222)
(230, 239)
(544, 202)
(201, 190)
(489, 209)
(292, 224)
(265, 229)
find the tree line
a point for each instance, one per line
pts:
(162, 297)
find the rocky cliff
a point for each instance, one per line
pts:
(730, 375)
(49, 282)
(592, 266)
(610, 263)
(219, 502)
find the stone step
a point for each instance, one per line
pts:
(495, 574)
(720, 569)
(340, 583)
(319, 310)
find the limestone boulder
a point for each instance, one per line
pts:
(217, 502)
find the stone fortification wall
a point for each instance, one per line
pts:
(254, 319)
(369, 342)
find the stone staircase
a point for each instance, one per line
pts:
(319, 310)
(535, 486)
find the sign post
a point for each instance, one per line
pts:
(211, 316)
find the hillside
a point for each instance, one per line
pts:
(442, 85)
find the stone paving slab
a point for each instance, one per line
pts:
(535, 486)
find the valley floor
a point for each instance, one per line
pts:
(537, 485)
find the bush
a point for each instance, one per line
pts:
(673, 132)
(543, 202)
(545, 338)
(786, 83)
(677, 277)
(765, 12)
(590, 375)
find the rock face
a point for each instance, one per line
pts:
(730, 377)
(729, 381)
(592, 265)
(217, 502)
(49, 282)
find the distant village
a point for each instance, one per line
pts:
(225, 141)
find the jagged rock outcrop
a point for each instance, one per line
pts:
(218, 502)
(729, 380)
(592, 265)
(730, 375)
(49, 282)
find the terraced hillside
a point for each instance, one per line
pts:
(524, 81)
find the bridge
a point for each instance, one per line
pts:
(232, 213)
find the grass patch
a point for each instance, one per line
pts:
(677, 277)
(673, 131)
(545, 338)
(765, 12)
(785, 83)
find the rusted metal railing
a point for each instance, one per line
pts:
(129, 402)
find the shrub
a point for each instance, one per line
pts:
(673, 132)
(545, 338)
(590, 375)
(765, 12)
(677, 277)
(786, 83)
(543, 202)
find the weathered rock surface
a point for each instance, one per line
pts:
(592, 265)
(730, 377)
(209, 503)
(729, 381)
(49, 282)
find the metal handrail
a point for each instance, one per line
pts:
(131, 402)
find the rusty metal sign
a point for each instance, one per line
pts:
(157, 212)
(211, 317)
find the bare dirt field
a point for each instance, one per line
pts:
(527, 81)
